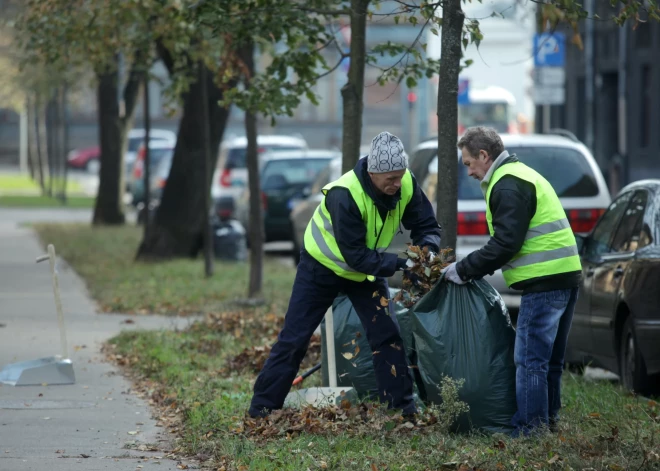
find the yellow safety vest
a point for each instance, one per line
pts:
(550, 247)
(320, 240)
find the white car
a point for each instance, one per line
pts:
(565, 162)
(136, 139)
(231, 172)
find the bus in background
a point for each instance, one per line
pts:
(491, 106)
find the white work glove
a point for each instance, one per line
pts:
(432, 255)
(410, 263)
(452, 275)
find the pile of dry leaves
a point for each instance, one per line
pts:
(356, 419)
(252, 359)
(426, 272)
(241, 323)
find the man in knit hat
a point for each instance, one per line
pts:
(344, 250)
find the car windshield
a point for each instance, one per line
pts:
(237, 156)
(495, 115)
(292, 172)
(156, 155)
(566, 169)
(164, 166)
(134, 143)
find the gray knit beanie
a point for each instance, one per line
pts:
(386, 154)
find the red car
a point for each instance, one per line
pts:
(87, 158)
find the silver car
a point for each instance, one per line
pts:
(565, 162)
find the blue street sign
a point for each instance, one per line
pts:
(549, 49)
(463, 91)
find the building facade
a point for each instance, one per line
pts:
(613, 97)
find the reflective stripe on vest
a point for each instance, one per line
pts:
(549, 247)
(320, 240)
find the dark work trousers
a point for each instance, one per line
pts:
(313, 292)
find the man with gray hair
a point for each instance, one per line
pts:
(533, 244)
(345, 251)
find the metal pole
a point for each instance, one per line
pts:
(589, 75)
(207, 236)
(623, 83)
(58, 302)
(147, 169)
(330, 344)
(546, 119)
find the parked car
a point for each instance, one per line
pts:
(302, 212)
(230, 176)
(135, 140)
(617, 322)
(85, 159)
(158, 151)
(286, 179)
(160, 175)
(565, 162)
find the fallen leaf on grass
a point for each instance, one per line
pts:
(393, 371)
(348, 355)
(554, 459)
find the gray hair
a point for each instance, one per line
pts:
(481, 138)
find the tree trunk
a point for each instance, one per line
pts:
(51, 145)
(64, 119)
(256, 216)
(32, 149)
(208, 229)
(109, 208)
(42, 151)
(113, 128)
(178, 227)
(352, 93)
(447, 193)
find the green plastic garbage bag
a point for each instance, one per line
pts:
(465, 332)
(358, 371)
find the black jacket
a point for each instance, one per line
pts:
(351, 231)
(512, 205)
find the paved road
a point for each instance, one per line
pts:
(81, 426)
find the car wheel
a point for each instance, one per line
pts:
(632, 369)
(93, 166)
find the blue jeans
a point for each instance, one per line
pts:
(544, 321)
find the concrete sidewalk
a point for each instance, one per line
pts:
(82, 426)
